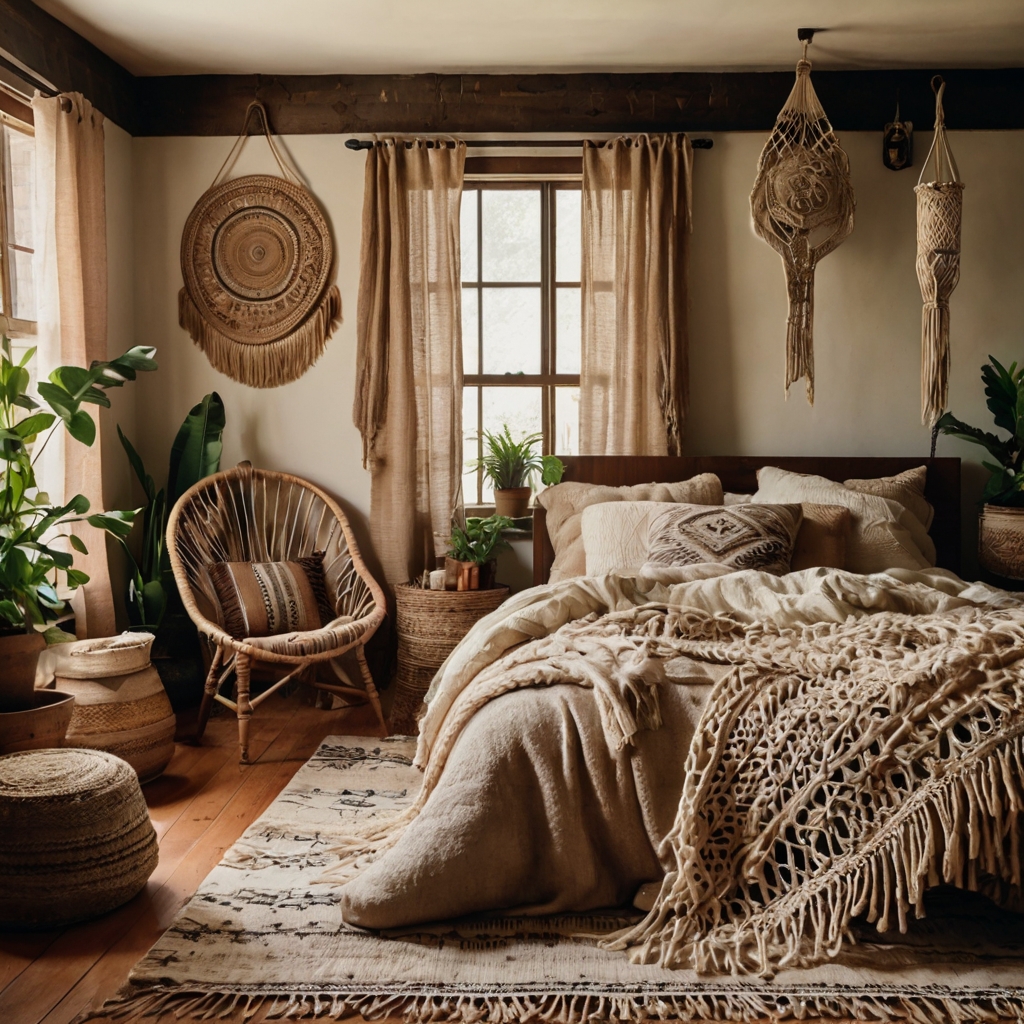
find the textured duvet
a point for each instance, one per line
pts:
(759, 759)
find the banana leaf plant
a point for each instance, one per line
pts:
(31, 559)
(1004, 391)
(195, 454)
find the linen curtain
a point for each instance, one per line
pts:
(71, 283)
(408, 402)
(636, 221)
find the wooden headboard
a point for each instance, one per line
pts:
(739, 473)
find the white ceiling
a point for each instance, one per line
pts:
(160, 37)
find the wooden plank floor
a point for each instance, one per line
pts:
(199, 806)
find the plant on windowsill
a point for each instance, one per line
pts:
(511, 466)
(1001, 520)
(472, 551)
(31, 564)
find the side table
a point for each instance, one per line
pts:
(430, 624)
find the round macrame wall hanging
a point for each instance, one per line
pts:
(256, 256)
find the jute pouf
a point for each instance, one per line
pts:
(120, 703)
(75, 837)
(430, 624)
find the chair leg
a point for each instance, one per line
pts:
(371, 690)
(244, 707)
(209, 690)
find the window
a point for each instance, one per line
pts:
(520, 317)
(17, 207)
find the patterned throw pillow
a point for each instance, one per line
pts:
(739, 536)
(269, 598)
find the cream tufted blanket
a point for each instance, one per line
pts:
(862, 743)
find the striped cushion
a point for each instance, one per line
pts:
(269, 598)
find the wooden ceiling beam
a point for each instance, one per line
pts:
(70, 62)
(684, 101)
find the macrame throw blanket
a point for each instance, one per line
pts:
(256, 256)
(838, 771)
(939, 205)
(802, 205)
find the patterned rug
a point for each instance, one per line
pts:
(262, 939)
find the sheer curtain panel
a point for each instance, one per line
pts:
(408, 403)
(636, 222)
(71, 281)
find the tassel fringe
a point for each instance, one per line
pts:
(934, 362)
(271, 364)
(709, 1003)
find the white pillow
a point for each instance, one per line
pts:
(883, 534)
(615, 535)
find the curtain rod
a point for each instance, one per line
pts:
(356, 144)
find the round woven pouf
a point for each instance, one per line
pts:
(75, 837)
(430, 624)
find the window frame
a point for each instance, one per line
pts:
(548, 379)
(10, 325)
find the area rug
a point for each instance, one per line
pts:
(262, 939)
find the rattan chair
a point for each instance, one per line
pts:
(255, 515)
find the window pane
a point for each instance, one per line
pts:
(567, 340)
(470, 446)
(511, 330)
(21, 152)
(511, 235)
(567, 421)
(470, 330)
(567, 234)
(23, 297)
(467, 222)
(519, 408)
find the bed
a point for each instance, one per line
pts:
(751, 759)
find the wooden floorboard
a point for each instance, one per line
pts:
(199, 807)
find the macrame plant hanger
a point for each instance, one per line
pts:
(939, 206)
(256, 258)
(802, 205)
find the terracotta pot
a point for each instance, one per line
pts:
(43, 724)
(513, 502)
(1001, 541)
(19, 653)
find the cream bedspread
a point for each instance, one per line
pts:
(556, 741)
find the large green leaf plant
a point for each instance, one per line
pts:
(1004, 392)
(195, 454)
(33, 557)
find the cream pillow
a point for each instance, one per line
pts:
(907, 488)
(746, 536)
(882, 531)
(564, 504)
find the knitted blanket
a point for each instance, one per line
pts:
(863, 744)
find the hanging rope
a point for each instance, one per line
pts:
(802, 205)
(939, 206)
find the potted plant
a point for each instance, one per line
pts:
(32, 559)
(473, 549)
(510, 466)
(152, 600)
(1001, 520)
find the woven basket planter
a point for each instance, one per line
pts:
(75, 837)
(1001, 541)
(430, 625)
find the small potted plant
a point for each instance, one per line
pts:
(1001, 520)
(510, 466)
(473, 549)
(32, 560)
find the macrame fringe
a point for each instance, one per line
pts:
(724, 1004)
(934, 362)
(800, 329)
(271, 364)
(954, 829)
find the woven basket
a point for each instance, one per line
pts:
(75, 837)
(430, 625)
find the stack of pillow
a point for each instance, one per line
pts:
(793, 521)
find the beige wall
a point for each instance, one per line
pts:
(867, 320)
